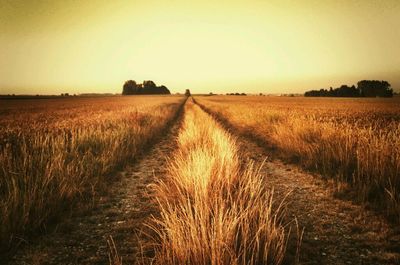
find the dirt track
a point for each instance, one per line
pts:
(119, 214)
(335, 231)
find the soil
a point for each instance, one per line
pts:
(117, 219)
(335, 231)
(332, 230)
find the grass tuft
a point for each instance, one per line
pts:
(213, 209)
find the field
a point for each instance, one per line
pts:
(220, 211)
(353, 141)
(54, 153)
(207, 180)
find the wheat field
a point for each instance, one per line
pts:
(199, 180)
(57, 153)
(356, 142)
(215, 209)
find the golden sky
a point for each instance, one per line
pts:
(50, 46)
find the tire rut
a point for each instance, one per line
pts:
(335, 231)
(119, 214)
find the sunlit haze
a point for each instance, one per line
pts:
(50, 47)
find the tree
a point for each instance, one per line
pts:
(366, 88)
(163, 90)
(129, 88)
(375, 88)
(346, 91)
(147, 88)
(150, 88)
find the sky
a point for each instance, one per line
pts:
(52, 47)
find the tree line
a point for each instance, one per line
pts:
(365, 88)
(148, 87)
(236, 94)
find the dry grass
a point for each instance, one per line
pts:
(214, 210)
(356, 141)
(54, 153)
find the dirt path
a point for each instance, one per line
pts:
(120, 214)
(335, 231)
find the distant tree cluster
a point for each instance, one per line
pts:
(236, 94)
(365, 88)
(375, 88)
(290, 95)
(147, 88)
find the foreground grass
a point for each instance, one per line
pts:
(214, 210)
(55, 153)
(355, 141)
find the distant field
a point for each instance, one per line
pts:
(202, 190)
(354, 141)
(55, 152)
